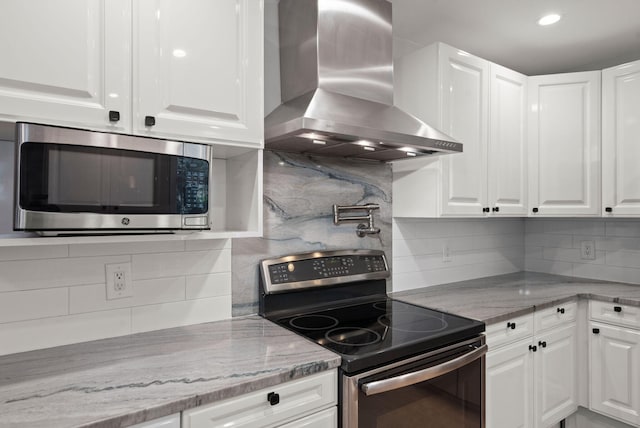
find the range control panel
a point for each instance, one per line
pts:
(324, 266)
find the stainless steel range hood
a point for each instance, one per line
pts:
(336, 73)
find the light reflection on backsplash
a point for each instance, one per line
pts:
(299, 193)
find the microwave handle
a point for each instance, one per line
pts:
(385, 385)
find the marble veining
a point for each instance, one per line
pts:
(126, 380)
(498, 298)
(299, 193)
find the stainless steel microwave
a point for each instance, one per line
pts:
(77, 181)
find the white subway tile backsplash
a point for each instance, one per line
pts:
(478, 248)
(154, 317)
(92, 298)
(51, 273)
(617, 244)
(53, 295)
(146, 266)
(109, 249)
(571, 255)
(622, 228)
(33, 304)
(215, 284)
(46, 332)
(207, 244)
(34, 252)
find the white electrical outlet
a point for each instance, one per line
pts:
(446, 253)
(587, 250)
(118, 280)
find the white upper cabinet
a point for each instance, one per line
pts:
(197, 69)
(507, 173)
(564, 144)
(192, 68)
(464, 107)
(66, 62)
(480, 104)
(621, 140)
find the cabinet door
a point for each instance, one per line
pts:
(621, 140)
(615, 372)
(509, 389)
(464, 87)
(507, 170)
(66, 62)
(198, 70)
(555, 373)
(564, 144)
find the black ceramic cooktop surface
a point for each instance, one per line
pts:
(371, 334)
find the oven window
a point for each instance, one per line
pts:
(453, 400)
(69, 178)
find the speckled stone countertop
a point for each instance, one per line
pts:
(498, 298)
(126, 380)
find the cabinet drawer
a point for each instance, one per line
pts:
(555, 316)
(615, 313)
(297, 398)
(509, 330)
(324, 419)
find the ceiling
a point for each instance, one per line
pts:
(593, 34)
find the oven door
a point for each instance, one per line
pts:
(438, 389)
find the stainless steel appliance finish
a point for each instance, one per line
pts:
(402, 364)
(336, 70)
(47, 222)
(445, 387)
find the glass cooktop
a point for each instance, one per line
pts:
(375, 333)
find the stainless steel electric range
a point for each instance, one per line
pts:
(402, 365)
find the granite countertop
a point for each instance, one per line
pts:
(498, 298)
(125, 380)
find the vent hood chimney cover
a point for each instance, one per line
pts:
(336, 73)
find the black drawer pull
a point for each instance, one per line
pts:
(533, 348)
(273, 398)
(609, 209)
(535, 210)
(511, 325)
(543, 344)
(617, 308)
(149, 121)
(495, 209)
(561, 310)
(596, 330)
(485, 209)
(114, 116)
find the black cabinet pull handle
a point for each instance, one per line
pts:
(533, 348)
(561, 310)
(617, 308)
(114, 116)
(535, 210)
(609, 209)
(511, 325)
(149, 121)
(596, 330)
(495, 209)
(485, 210)
(543, 344)
(273, 398)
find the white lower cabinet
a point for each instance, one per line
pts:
(309, 402)
(532, 380)
(509, 389)
(614, 367)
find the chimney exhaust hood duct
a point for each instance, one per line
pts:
(336, 74)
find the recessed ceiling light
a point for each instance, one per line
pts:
(552, 18)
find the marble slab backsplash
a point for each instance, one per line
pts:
(299, 193)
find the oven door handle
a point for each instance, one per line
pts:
(408, 379)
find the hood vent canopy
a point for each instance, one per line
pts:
(336, 73)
